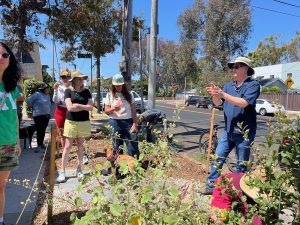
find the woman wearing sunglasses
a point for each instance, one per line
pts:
(9, 147)
(59, 100)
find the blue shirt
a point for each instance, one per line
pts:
(40, 104)
(250, 90)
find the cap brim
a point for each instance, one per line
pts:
(114, 83)
(230, 65)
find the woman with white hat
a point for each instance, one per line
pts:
(120, 106)
(77, 125)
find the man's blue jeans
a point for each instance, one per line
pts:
(121, 132)
(226, 143)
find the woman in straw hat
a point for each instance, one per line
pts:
(77, 125)
(59, 100)
(120, 106)
(40, 103)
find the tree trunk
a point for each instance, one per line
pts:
(126, 40)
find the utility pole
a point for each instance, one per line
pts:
(126, 41)
(153, 55)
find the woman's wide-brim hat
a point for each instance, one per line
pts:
(253, 192)
(43, 86)
(77, 74)
(245, 61)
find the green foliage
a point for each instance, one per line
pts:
(268, 52)
(273, 89)
(143, 196)
(21, 22)
(219, 78)
(164, 92)
(47, 78)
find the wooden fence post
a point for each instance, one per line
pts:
(51, 172)
(212, 123)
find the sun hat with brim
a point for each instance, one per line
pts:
(77, 73)
(43, 86)
(118, 79)
(65, 72)
(254, 192)
(251, 191)
(245, 61)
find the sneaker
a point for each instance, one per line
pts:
(61, 178)
(79, 173)
(85, 159)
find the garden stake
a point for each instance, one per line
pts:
(212, 122)
(51, 172)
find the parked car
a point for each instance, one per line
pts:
(264, 106)
(201, 101)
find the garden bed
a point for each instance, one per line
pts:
(188, 171)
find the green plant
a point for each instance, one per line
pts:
(273, 89)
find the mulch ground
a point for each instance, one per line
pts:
(187, 169)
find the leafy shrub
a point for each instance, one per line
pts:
(273, 89)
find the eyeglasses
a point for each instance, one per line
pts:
(4, 55)
(65, 77)
(236, 66)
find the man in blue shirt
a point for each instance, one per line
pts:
(238, 98)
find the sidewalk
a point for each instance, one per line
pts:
(31, 168)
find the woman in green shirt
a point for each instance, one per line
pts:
(9, 147)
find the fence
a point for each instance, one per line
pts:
(289, 101)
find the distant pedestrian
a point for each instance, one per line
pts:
(40, 103)
(120, 106)
(239, 99)
(9, 142)
(59, 100)
(77, 125)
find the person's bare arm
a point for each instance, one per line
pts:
(109, 109)
(87, 107)
(72, 107)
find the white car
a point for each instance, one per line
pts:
(264, 106)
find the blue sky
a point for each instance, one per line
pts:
(265, 23)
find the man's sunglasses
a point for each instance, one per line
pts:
(65, 77)
(235, 67)
(4, 55)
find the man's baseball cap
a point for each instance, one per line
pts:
(245, 61)
(118, 79)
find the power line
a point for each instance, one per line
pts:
(287, 3)
(272, 10)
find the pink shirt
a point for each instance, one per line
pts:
(225, 200)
